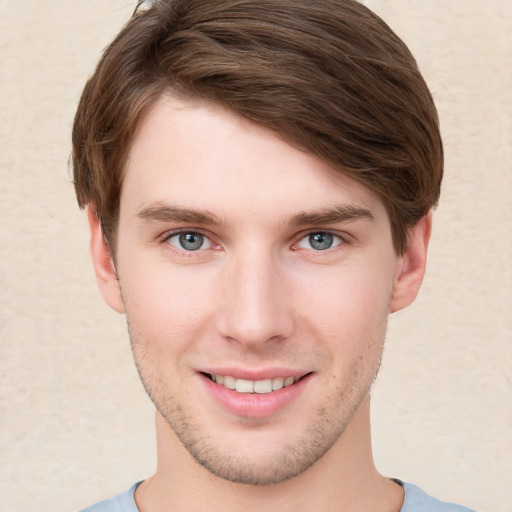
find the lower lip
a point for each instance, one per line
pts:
(255, 405)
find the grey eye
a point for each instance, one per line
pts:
(321, 241)
(189, 241)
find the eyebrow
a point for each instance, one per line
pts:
(168, 213)
(334, 215)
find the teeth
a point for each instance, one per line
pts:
(244, 386)
(229, 382)
(277, 383)
(253, 386)
(288, 381)
(263, 386)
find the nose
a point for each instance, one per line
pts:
(254, 306)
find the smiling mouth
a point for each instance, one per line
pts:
(253, 386)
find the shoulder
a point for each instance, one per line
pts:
(417, 500)
(124, 502)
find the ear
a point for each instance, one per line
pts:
(411, 265)
(106, 274)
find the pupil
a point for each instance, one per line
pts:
(191, 241)
(320, 241)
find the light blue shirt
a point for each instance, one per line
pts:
(415, 501)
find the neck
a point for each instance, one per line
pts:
(344, 479)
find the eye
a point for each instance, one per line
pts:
(320, 241)
(189, 241)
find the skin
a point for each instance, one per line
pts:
(256, 297)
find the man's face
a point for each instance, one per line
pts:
(244, 261)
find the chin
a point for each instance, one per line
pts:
(254, 454)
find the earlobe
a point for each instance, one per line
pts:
(412, 264)
(106, 274)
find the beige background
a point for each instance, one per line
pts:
(75, 424)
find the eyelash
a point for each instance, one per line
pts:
(339, 240)
(336, 239)
(168, 236)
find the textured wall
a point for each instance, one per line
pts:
(75, 424)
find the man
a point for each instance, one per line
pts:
(258, 177)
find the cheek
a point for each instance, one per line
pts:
(347, 303)
(165, 306)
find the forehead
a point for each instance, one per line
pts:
(195, 154)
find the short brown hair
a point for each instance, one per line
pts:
(328, 76)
